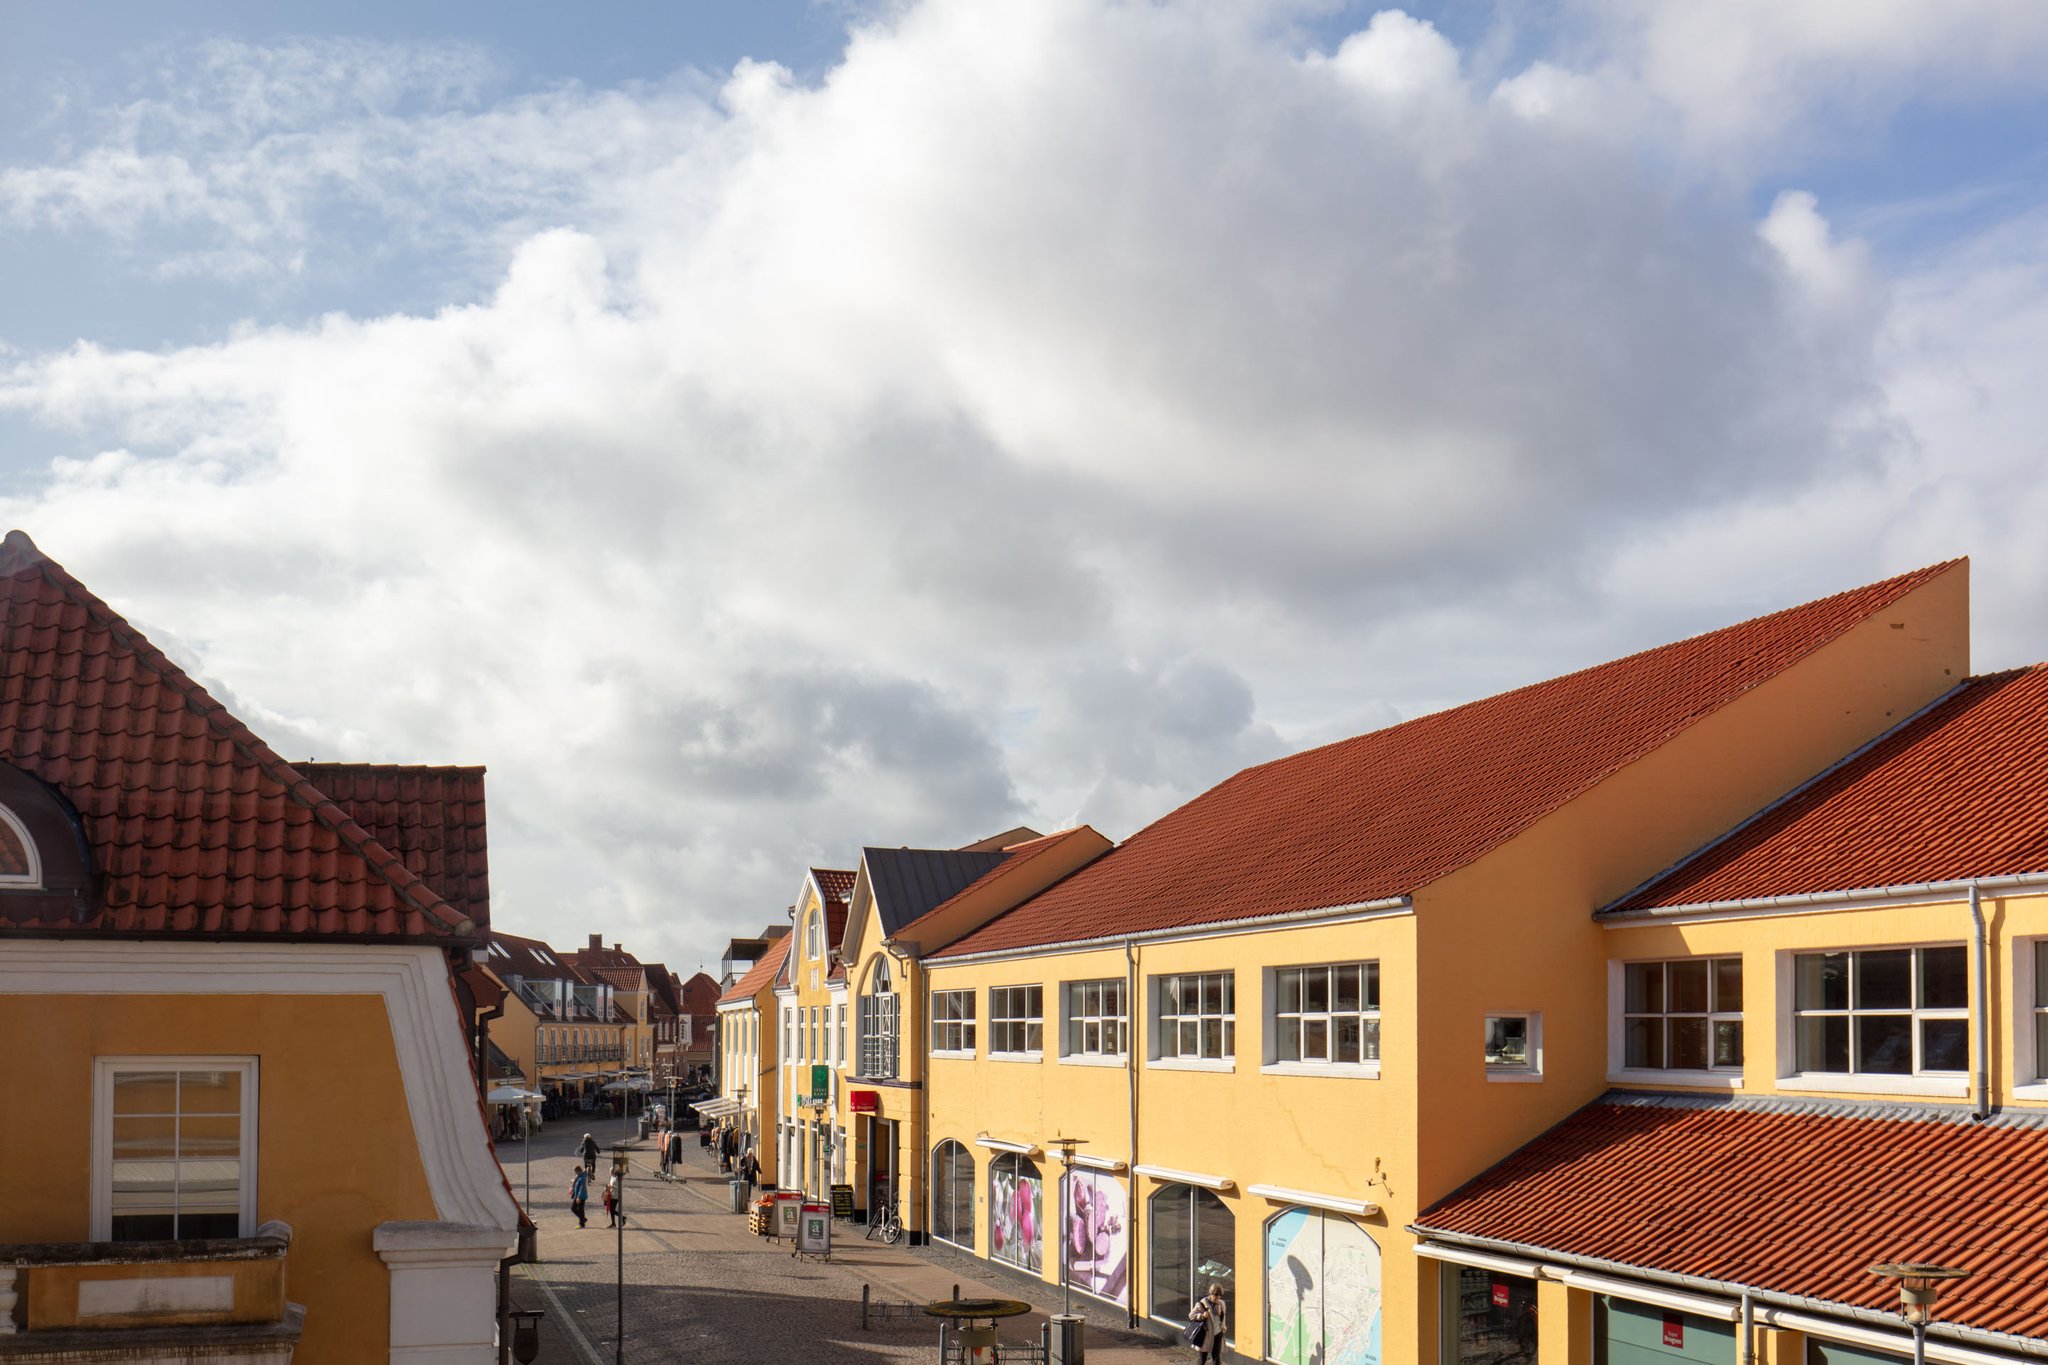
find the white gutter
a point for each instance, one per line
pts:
(1334, 1203)
(1218, 1183)
(1904, 893)
(1251, 924)
(1900, 1342)
(1636, 1292)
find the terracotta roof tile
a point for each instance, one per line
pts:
(836, 883)
(1385, 814)
(431, 817)
(760, 974)
(163, 777)
(1959, 791)
(1795, 1199)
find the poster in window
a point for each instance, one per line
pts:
(1322, 1291)
(1013, 1204)
(1092, 1234)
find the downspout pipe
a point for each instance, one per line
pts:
(1980, 1000)
(1132, 1012)
(1748, 1328)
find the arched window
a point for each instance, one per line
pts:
(1194, 1245)
(1015, 1233)
(953, 1194)
(878, 1021)
(43, 853)
(1322, 1290)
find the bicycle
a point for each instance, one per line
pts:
(887, 1224)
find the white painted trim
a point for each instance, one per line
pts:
(1478, 1260)
(1215, 1064)
(1033, 1058)
(1118, 1060)
(1352, 1071)
(1682, 1080)
(2028, 1080)
(1844, 1083)
(462, 1174)
(1218, 1183)
(1004, 1145)
(1698, 1306)
(1332, 1203)
(100, 1205)
(34, 876)
(1100, 1163)
(1519, 1074)
(1264, 924)
(1896, 1343)
(1860, 898)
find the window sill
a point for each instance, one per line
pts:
(1093, 1059)
(1354, 1071)
(2037, 1091)
(1695, 1080)
(1032, 1057)
(1520, 1075)
(953, 1054)
(1192, 1064)
(1841, 1083)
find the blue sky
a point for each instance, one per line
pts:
(756, 431)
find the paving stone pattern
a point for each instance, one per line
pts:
(700, 1289)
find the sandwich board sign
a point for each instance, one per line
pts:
(814, 1230)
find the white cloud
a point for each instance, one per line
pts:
(1057, 407)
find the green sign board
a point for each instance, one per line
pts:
(821, 1083)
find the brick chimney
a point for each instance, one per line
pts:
(596, 942)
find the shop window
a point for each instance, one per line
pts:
(1094, 1213)
(1098, 1022)
(1630, 1333)
(1194, 1245)
(953, 1022)
(1322, 1289)
(1888, 1012)
(1325, 1015)
(1823, 1352)
(1015, 1234)
(953, 1194)
(1682, 1016)
(1016, 1020)
(174, 1148)
(1514, 1047)
(1493, 1317)
(1197, 1016)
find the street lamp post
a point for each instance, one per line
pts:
(1919, 1286)
(1066, 1146)
(622, 1160)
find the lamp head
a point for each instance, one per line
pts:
(526, 1334)
(1919, 1286)
(622, 1159)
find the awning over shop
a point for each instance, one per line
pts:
(717, 1108)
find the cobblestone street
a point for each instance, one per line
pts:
(699, 1288)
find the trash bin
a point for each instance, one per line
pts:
(739, 1196)
(645, 1127)
(1064, 1337)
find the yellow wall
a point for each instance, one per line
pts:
(334, 1136)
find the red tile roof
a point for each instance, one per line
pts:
(1385, 814)
(431, 817)
(760, 974)
(196, 826)
(836, 883)
(1792, 1199)
(1959, 791)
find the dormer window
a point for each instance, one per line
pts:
(19, 865)
(42, 842)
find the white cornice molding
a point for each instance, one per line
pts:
(462, 1175)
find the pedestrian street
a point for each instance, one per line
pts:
(699, 1288)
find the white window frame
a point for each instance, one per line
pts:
(33, 877)
(952, 1023)
(878, 1028)
(1941, 1084)
(1165, 1027)
(1533, 1069)
(104, 1069)
(1273, 984)
(1076, 1016)
(1618, 1015)
(2029, 1065)
(1017, 1014)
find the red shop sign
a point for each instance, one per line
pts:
(864, 1101)
(1500, 1294)
(1674, 1330)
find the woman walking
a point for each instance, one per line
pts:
(579, 1196)
(1212, 1315)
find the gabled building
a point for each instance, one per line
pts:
(189, 927)
(748, 1067)
(1313, 1002)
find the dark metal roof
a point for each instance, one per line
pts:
(906, 882)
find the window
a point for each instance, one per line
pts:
(1198, 1015)
(1322, 1288)
(1327, 1014)
(1015, 1234)
(953, 1021)
(1094, 1246)
(2039, 1003)
(1888, 1012)
(1492, 1317)
(1514, 1046)
(814, 936)
(953, 1194)
(174, 1148)
(1684, 1015)
(1016, 1019)
(878, 1023)
(1098, 1019)
(1194, 1245)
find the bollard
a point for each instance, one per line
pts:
(1064, 1342)
(956, 1293)
(863, 1308)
